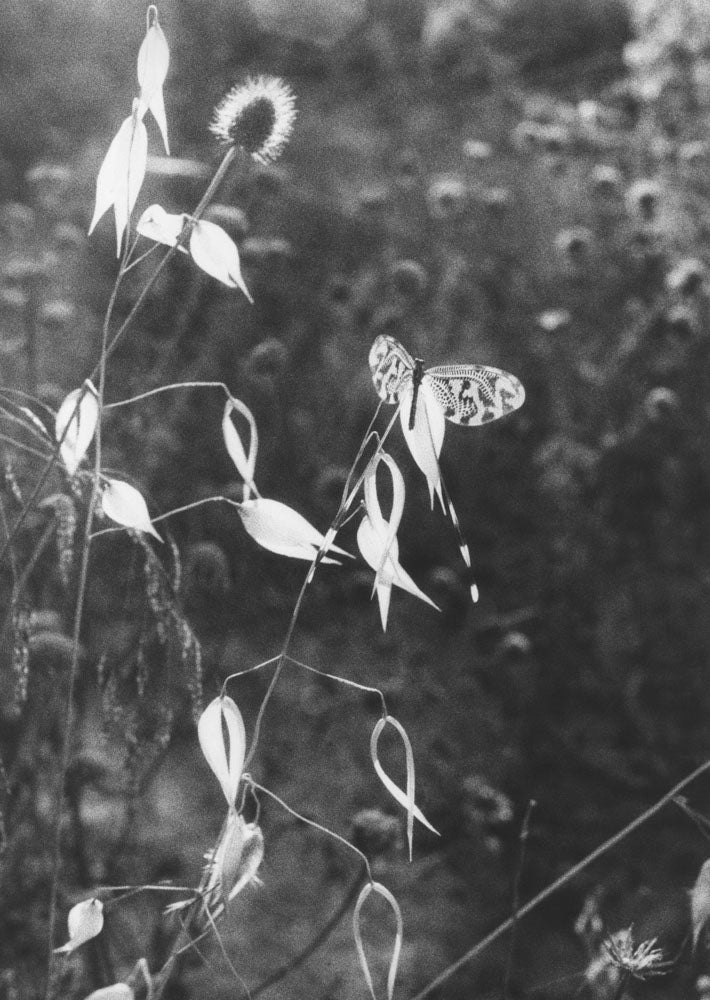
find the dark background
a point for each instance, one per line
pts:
(447, 184)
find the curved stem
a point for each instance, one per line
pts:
(315, 943)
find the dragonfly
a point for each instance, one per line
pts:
(468, 395)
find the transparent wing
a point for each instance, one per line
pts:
(391, 366)
(474, 394)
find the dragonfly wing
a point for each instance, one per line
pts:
(473, 395)
(391, 366)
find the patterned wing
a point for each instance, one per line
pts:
(474, 394)
(391, 366)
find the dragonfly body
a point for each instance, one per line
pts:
(417, 376)
(469, 395)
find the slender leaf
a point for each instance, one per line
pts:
(405, 799)
(153, 62)
(226, 761)
(125, 505)
(121, 174)
(75, 425)
(157, 224)
(119, 991)
(245, 463)
(84, 922)
(280, 529)
(216, 253)
(383, 891)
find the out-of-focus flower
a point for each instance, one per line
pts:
(267, 250)
(57, 315)
(574, 247)
(256, 116)
(525, 136)
(230, 217)
(661, 405)
(514, 644)
(496, 200)
(642, 198)
(687, 276)
(68, 238)
(310, 21)
(374, 198)
(375, 832)
(447, 197)
(408, 278)
(477, 149)
(486, 810)
(554, 138)
(268, 359)
(554, 320)
(409, 170)
(451, 44)
(683, 323)
(50, 184)
(606, 181)
(693, 153)
(17, 221)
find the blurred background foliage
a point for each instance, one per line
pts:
(522, 183)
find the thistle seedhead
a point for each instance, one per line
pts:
(638, 960)
(256, 116)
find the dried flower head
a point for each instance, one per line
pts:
(638, 960)
(257, 116)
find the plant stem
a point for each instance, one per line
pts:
(182, 239)
(552, 888)
(76, 637)
(52, 460)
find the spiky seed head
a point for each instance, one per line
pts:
(256, 116)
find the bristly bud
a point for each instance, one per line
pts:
(65, 514)
(256, 116)
(191, 656)
(21, 653)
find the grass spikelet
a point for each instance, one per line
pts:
(20, 654)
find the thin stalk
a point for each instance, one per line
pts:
(524, 832)
(623, 983)
(182, 239)
(52, 460)
(552, 888)
(76, 636)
